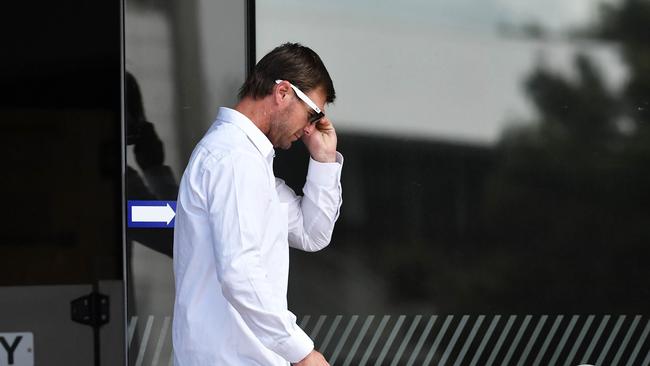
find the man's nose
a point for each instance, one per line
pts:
(309, 128)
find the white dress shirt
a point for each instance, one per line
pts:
(234, 225)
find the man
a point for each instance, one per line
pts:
(235, 220)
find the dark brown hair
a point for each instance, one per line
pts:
(294, 63)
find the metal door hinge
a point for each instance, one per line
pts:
(91, 309)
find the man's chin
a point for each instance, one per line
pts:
(285, 146)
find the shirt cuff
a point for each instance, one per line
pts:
(296, 348)
(325, 174)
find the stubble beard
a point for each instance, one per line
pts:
(281, 132)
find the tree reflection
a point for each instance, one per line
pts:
(552, 219)
(572, 188)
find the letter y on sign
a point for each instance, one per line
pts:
(16, 349)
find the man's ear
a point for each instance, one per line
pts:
(282, 92)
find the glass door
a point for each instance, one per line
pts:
(61, 261)
(495, 201)
(183, 60)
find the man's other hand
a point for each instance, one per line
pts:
(314, 358)
(320, 139)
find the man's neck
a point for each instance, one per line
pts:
(257, 111)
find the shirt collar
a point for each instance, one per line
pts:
(258, 138)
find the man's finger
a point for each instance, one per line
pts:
(324, 124)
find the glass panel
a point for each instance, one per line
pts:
(183, 61)
(496, 163)
(60, 122)
(61, 237)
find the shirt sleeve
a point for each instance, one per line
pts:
(240, 192)
(312, 217)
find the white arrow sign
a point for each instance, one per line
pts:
(152, 214)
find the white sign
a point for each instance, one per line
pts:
(16, 349)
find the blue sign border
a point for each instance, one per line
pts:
(159, 225)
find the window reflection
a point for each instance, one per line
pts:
(494, 155)
(183, 59)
